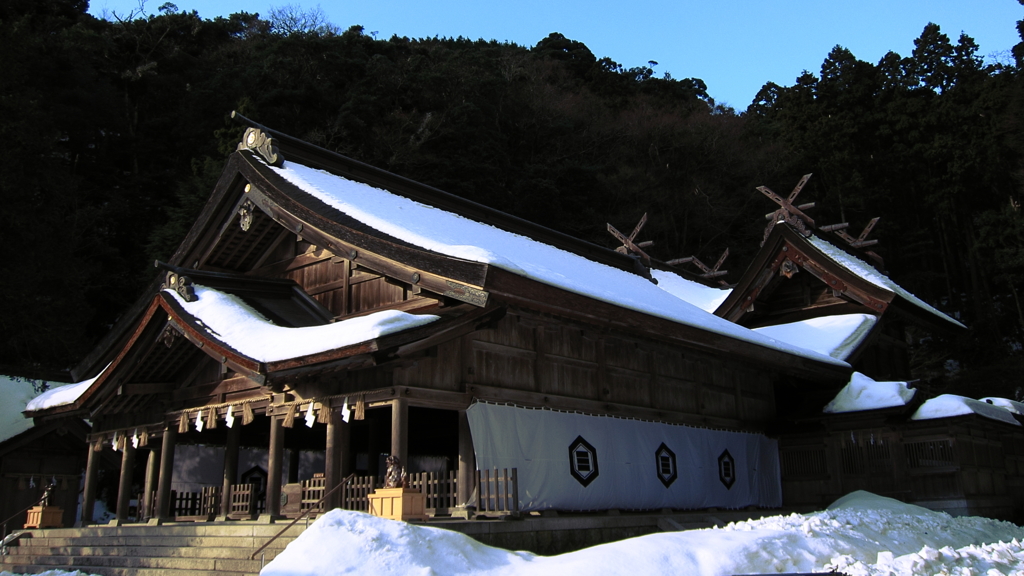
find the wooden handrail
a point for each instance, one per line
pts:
(303, 515)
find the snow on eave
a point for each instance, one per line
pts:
(866, 271)
(707, 298)
(950, 405)
(61, 395)
(837, 336)
(863, 393)
(226, 318)
(449, 234)
(1012, 405)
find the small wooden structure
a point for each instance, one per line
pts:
(398, 504)
(45, 517)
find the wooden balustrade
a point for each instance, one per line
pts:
(498, 495)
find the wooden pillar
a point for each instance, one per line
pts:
(336, 457)
(400, 430)
(230, 467)
(152, 475)
(373, 446)
(466, 479)
(274, 465)
(163, 491)
(124, 487)
(92, 464)
(293, 465)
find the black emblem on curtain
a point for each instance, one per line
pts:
(583, 461)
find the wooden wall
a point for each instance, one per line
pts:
(532, 353)
(963, 465)
(340, 284)
(43, 456)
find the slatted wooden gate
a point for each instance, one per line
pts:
(497, 493)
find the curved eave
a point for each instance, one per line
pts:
(517, 290)
(314, 156)
(784, 243)
(80, 405)
(327, 227)
(195, 333)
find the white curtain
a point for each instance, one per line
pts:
(712, 468)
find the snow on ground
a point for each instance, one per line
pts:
(836, 336)
(861, 534)
(229, 319)
(949, 405)
(16, 394)
(453, 235)
(864, 393)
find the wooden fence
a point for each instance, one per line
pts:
(355, 495)
(203, 505)
(497, 493)
(245, 502)
(440, 489)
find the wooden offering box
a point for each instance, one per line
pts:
(44, 517)
(398, 504)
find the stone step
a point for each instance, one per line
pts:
(145, 551)
(189, 529)
(192, 549)
(154, 540)
(110, 571)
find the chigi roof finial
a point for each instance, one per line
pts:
(788, 212)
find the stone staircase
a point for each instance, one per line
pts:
(183, 549)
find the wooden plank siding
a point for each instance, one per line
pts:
(528, 352)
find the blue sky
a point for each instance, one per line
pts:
(735, 46)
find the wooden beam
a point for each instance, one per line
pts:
(226, 386)
(147, 388)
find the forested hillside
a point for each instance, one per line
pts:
(114, 134)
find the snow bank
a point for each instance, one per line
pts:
(230, 320)
(948, 405)
(835, 336)
(446, 233)
(860, 534)
(869, 273)
(17, 394)
(863, 393)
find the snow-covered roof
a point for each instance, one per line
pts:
(860, 534)
(707, 298)
(948, 405)
(17, 393)
(60, 395)
(836, 336)
(230, 320)
(864, 393)
(453, 235)
(1011, 405)
(871, 274)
